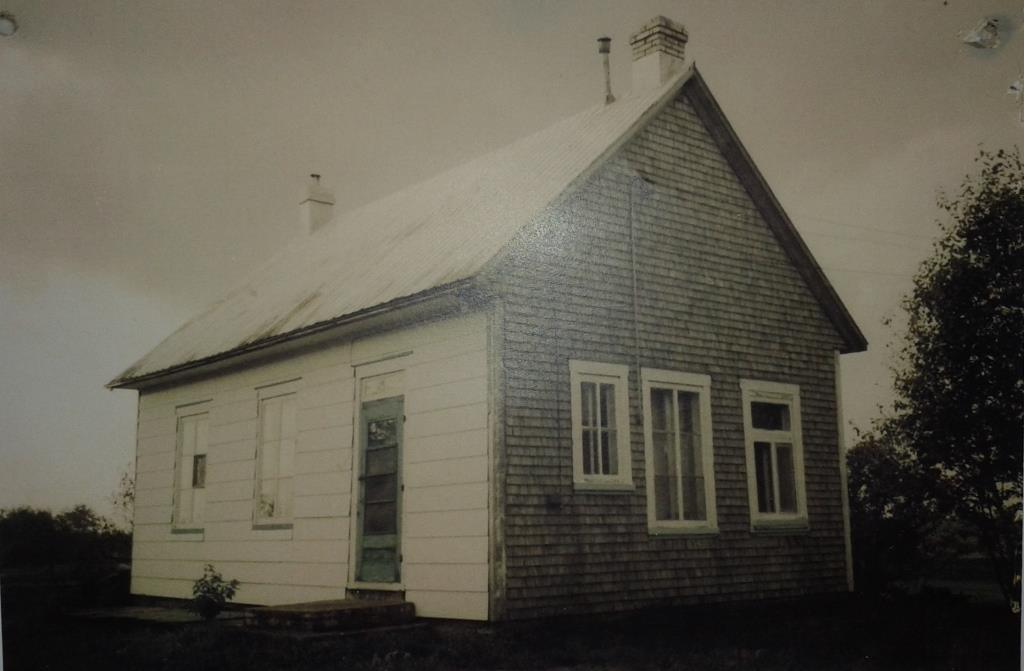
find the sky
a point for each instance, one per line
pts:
(153, 153)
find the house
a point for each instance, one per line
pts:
(594, 370)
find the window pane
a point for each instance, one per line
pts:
(380, 488)
(763, 471)
(770, 416)
(267, 502)
(689, 412)
(608, 406)
(284, 498)
(199, 471)
(378, 565)
(269, 460)
(611, 456)
(661, 410)
(692, 459)
(270, 429)
(187, 431)
(787, 478)
(381, 433)
(381, 461)
(589, 451)
(588, 402)
(603, 458)
(380, 518)
(288, 421)
(184, 500)
(666, 482)
(201, 434)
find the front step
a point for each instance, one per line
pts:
(337, 615)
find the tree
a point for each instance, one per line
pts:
(901, 522)
(959, 379)
(123, 499)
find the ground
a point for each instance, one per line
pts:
(932, 630)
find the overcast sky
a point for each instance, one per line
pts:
(153, 152)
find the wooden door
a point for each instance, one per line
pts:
(380, 490)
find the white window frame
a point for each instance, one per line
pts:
(601, 373)
(270, 393)
(785, 394)
(654, 378)
(184, 472)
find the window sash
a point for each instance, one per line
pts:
(678, 446)
(776, 479)
(191, 446)
(600, 426)
(678, 451)
(275, 458)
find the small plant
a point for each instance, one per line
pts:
(211, 592)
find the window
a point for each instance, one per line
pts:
(190, 468)
(775, 468)
(679, 457)
(275, 456)
(600, 426)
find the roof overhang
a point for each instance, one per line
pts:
(455, 298)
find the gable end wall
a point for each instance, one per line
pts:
(717, 295)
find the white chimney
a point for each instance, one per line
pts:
(315, 210)
(658, 51)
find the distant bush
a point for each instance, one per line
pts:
(34, 538)
(901, 530)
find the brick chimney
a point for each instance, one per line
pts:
(658, 52)
(315, 210)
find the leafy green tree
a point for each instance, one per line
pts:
(960, 375)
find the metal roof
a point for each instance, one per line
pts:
(425, 236)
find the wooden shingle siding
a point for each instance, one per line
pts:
(445, 474)
(717, 295)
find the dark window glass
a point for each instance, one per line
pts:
(199, 471)
(787, 478)
(380, 518)
(381, 461)
(770, 416)
(381, 433)
(380, 488)
(763, 470)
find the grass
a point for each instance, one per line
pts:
(928, 631)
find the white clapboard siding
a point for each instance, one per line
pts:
(445, 470)
(319, 483)
(239, 490)
(442, 576)
(322, 528)
(160, 461)
(323, 505)
(271, 551)
(455, 445)
(445, 421)
(450, 472)
(449, 604)
(466, 496)
(329, 439)
(158, 444)
(446, 524)
(322, 461)
(466, 550)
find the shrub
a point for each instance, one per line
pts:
(211, 593)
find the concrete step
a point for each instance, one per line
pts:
(337, 615)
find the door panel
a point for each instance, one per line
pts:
(380, 490)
